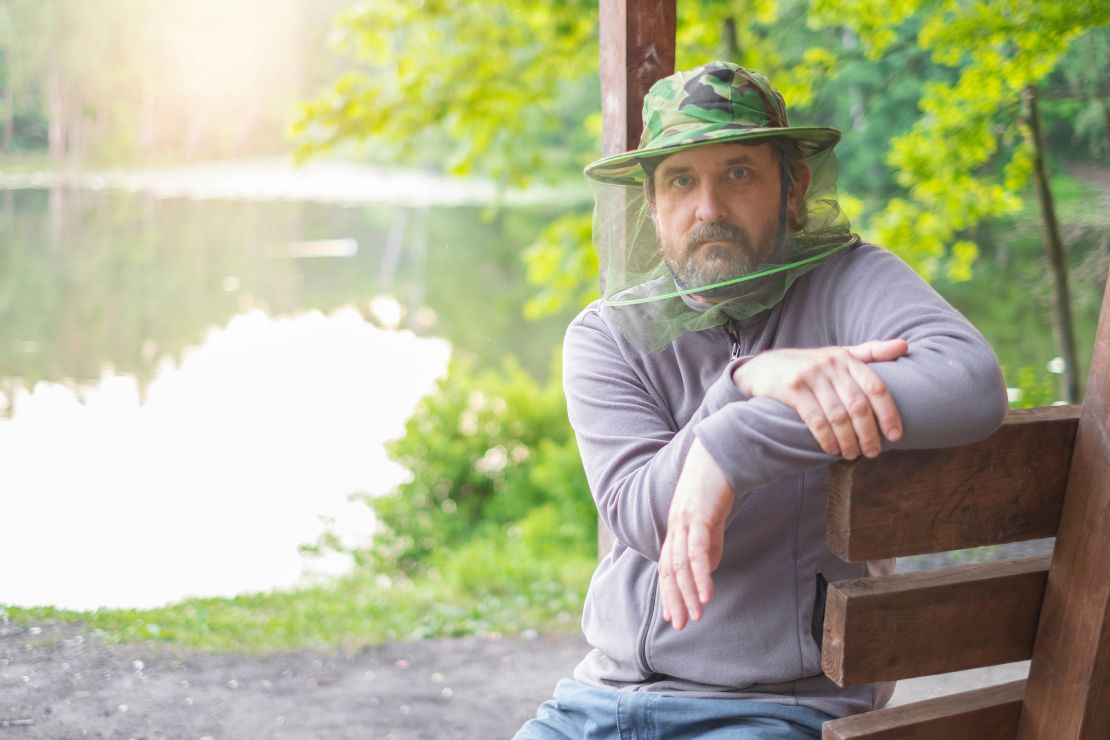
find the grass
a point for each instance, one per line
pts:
(351, 612)
(470, 594)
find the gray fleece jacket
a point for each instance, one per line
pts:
(635, 415)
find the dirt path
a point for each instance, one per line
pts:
(59, 681)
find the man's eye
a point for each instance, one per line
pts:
(682, 181)
(738, 173)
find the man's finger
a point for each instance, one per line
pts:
(680, 564)
(672, 602)
(880, 350)
(833, 408)
(882, 403)
(860, 414)
(700, 545)
(673, 610)
(813, 416)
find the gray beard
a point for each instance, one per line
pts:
(735, 258)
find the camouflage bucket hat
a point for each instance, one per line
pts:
(715, 103)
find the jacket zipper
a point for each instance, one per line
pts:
(645, 628)
(734, 335)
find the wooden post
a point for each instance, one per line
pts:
(637, 49)
(1068, 692)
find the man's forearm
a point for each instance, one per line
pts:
(942, 404)
(631, 450)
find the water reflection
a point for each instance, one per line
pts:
(93, 278)
(145, 457)
(209, 486)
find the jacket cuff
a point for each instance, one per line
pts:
(724, 391)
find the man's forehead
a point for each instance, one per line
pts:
(720, 154)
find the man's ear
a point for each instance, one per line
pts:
(802, 177)
(649, 197)
(798, 190)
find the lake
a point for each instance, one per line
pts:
(192, 388)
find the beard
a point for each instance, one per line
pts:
(731, 253)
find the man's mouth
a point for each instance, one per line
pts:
(718, 235)
(716, 248)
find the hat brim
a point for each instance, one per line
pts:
(625, 168)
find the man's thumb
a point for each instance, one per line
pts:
(880, 350)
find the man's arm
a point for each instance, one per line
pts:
(948, 389)
(844, 405)
(633, 450)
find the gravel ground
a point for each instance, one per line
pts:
(60, 681)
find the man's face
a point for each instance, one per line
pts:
(716, 210)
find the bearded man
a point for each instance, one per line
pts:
(744, 341)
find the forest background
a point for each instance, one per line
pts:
(977, 145)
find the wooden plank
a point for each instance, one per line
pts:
(637, 39)
(918, 624)
(1007, 488)
(1068, 693)
(984, 714)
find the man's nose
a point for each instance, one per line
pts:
(710, 204)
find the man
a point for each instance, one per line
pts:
(745, 340)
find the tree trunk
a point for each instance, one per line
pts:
(6, 61)
(1054, 246)
(55, 114)
(637, 49)
(148, 120)
(1106, 122)
(732, 45)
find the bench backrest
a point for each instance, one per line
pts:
(1045, 472)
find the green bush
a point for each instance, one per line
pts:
(485, 450)
(1033, 391)
(536, 560)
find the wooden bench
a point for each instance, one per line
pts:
(1045, 473)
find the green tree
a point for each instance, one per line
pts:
(510, 91)
(491, 88)
(24, 45)
(931, 89)
(976, 146)
(1076, 102)
(122, 79)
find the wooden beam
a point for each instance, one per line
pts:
(918, 624)
(637, 39)
(637, 49)
(984, 714)
(1068, 693)
(1007, 488)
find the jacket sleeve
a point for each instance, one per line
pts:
(948, 389)
(632, 448)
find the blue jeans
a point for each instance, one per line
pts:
(581, 711)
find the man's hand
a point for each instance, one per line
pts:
(841, 400)
(695, 537)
